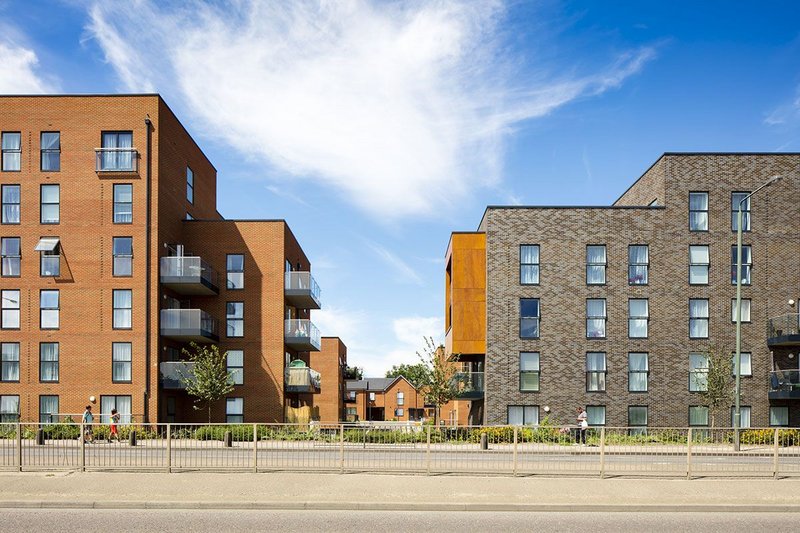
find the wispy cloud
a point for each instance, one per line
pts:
(401, 268)
(401, 107)
(283, 193)
(784, 113)
(19, 66)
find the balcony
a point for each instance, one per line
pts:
(189, 275)
(301, 379)
(116, 160)
(174, 374)
(188, 325)
(783, 331)
(301, 290)
(784, 385)
(302, 335)
(469, 385)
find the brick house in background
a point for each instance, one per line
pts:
(383, 399)
(612, 307)
(115, 258)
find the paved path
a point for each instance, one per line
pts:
(120, 521)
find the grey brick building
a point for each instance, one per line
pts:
(612, 307)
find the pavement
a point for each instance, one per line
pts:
(385, 492)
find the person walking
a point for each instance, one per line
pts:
(115, 417)
(583, 424)
(88, 418)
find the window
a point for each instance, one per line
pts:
(48, 409)
(698, 211)
(529, 318)
(123, 256)
(401, 398)
(779, 415)
(123, 203)
(744, 420)
(372, 396)
(747, 363)
(745, 309)
(49, 258)
(596, 264)
(596, 318)
(9, 361)
(48, 361)
(235, 317)
(638, 264)
(123, 309)
(638, 317)
(747, 264)
(638, 371)
(11, 200)
(595, 372)
(189, 216)
(523, 415)
(117, 151)
(698, 372)
(12, 151)
(235, 362)
(398, 412)
(50, 210)
(235, 271)
(9, 309)
(698, 318)
(9, 408)
(10, 251)
(51, 151)
(597, 415)
(736, 199)
(48, 309)
(529, 264)
(637, 419)
(189, 185)
(121, 360)
(698, 265)
(529, 371)
(234, 410)
(121, 403)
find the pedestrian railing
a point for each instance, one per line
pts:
(504, 450)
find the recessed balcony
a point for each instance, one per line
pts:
(189, 275)
(301, 379)
(188, 325)
(119, 160)
(301, 290)
(174, 374)
(784, 330)
(784, 385)
(469, 385)
(302, 335)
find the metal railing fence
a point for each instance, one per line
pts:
(414, 448)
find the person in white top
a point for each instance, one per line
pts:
(583, 424)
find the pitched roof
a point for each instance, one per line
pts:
(371, 384)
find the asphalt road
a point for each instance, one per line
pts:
(119, 521)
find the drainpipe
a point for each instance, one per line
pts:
(147, 351)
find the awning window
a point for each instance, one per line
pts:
(47, 244)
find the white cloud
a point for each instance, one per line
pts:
(18, 70)
(405, 272)
(784, 113)
(401, 107)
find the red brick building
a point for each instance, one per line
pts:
(115, 258)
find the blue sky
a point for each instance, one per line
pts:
(377, 128)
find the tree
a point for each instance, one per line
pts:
(439, 385)
(353, 372)
(417, 373)
(718, 392)
(209, 379)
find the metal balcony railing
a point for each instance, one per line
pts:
(302, 289)
(469, 384)
(784, 384)
(784, 329)
(188, 325)
(189, 275)
(302, 335)
(116, 160)
(302, 379)
(175, 374)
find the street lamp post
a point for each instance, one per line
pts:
(737, 416)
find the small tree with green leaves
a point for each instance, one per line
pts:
(417, 373)
(719, 391)
(438, 383)
(209, 380)
(353, 372)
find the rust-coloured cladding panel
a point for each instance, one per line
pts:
(465, 298)
(85, 229)
(264, 248)
(329, 362)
